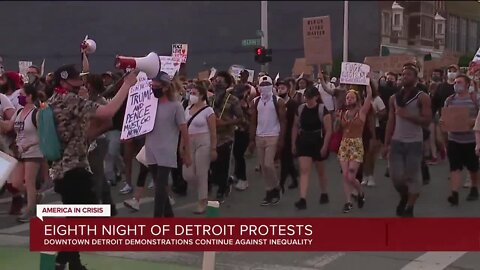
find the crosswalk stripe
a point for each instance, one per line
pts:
(433, 261)
(321, 261)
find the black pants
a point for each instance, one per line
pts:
(219, 168)
(76, 187)
(162, 207)
(179, 184)
(240, 145)
(287, 166)
(142, 176)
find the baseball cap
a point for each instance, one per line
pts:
(311, 92)
(68, 72)
(265, 79)
(454, 66)
(107, 73)
(162, 77)
(280, 81)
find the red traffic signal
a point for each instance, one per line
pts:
(263, 55)
(259, 51)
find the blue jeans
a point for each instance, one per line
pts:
(113, 158)
(405, 165)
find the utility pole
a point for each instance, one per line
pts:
(345, 31)
(264, 28)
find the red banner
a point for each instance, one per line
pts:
(255, 234)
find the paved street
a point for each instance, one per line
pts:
(380, 202)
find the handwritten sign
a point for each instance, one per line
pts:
(169, 65)
(23, 68)
(393, 63)
(354, 73)
(251, 75)
(141, 109)
(317, 41)
(180, 52)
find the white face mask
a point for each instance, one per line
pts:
(193, 99)
(452, 75)
(266, 91)
(471, 89)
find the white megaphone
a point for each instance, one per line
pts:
(90, 45)
(149, 64)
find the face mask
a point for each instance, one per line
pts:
(471, 89)
(157, 92)
(31, 78)
(193, 99)
(22, 100)
(458, 88)
(383, 83)
(266, 91)
(301, 91)
(436, 79)
(452, 75)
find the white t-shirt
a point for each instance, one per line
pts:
(5, 104)
(378, 105)
(14, 99)
(199, 124)
(328, 100)
(268, 123)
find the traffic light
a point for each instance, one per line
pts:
(263, 55)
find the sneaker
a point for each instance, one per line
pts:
(275, 196)
(301, 204)
(361, 200)
(347, 207)
(133, 204)
(324, 198)
(268, 199)
(453, 199)
(468, 182)
(241, 185)
(371, 182)
(25, 217)
(473, 195)
(171, 200)
(127, 189)
(151, 185)
(16, 206)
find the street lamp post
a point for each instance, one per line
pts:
(264, 28)
(345, 31)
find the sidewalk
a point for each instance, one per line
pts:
(18, 258)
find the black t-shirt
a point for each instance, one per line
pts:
(118, 117)
(309, 120)
(444, 90)
(292, 107)
(385, 92)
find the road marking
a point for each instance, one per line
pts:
(321, 261)
(433, 261)
(26, 226)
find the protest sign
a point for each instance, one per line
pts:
(300, 67)
(354, 73)
(213, 72)
(169, 65)
(235, 71)
(391, 63)
(317, 41)
(180, 52)
(7, 164)
(23, 68)
(455, 119)
(141, 109)
(251, 75)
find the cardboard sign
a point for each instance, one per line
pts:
(23, 68)
(317, 40)
(300, 67)
(251, 75)
(213, 72)
(354, 73)
(204, 75)
(141, 109)
(169, 65)
(235, 71)
(455, 119)
(180, 52)
(393, 63)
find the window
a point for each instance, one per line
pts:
(472, 36)
(427, 27)
(462, 42)
(452, 34)
(386, 24)
(396, 19)
(439, 29)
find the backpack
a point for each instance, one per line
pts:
(321, 108)
(48, 136)
(34, 116)
(275, 103)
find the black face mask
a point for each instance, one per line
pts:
(284, 95)
(389, 83)
(157, 92)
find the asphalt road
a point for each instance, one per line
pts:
(380, 202)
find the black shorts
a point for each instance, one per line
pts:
(309, 144)
(380, 133)
(462, 155)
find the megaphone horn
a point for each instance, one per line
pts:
(149, 64)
